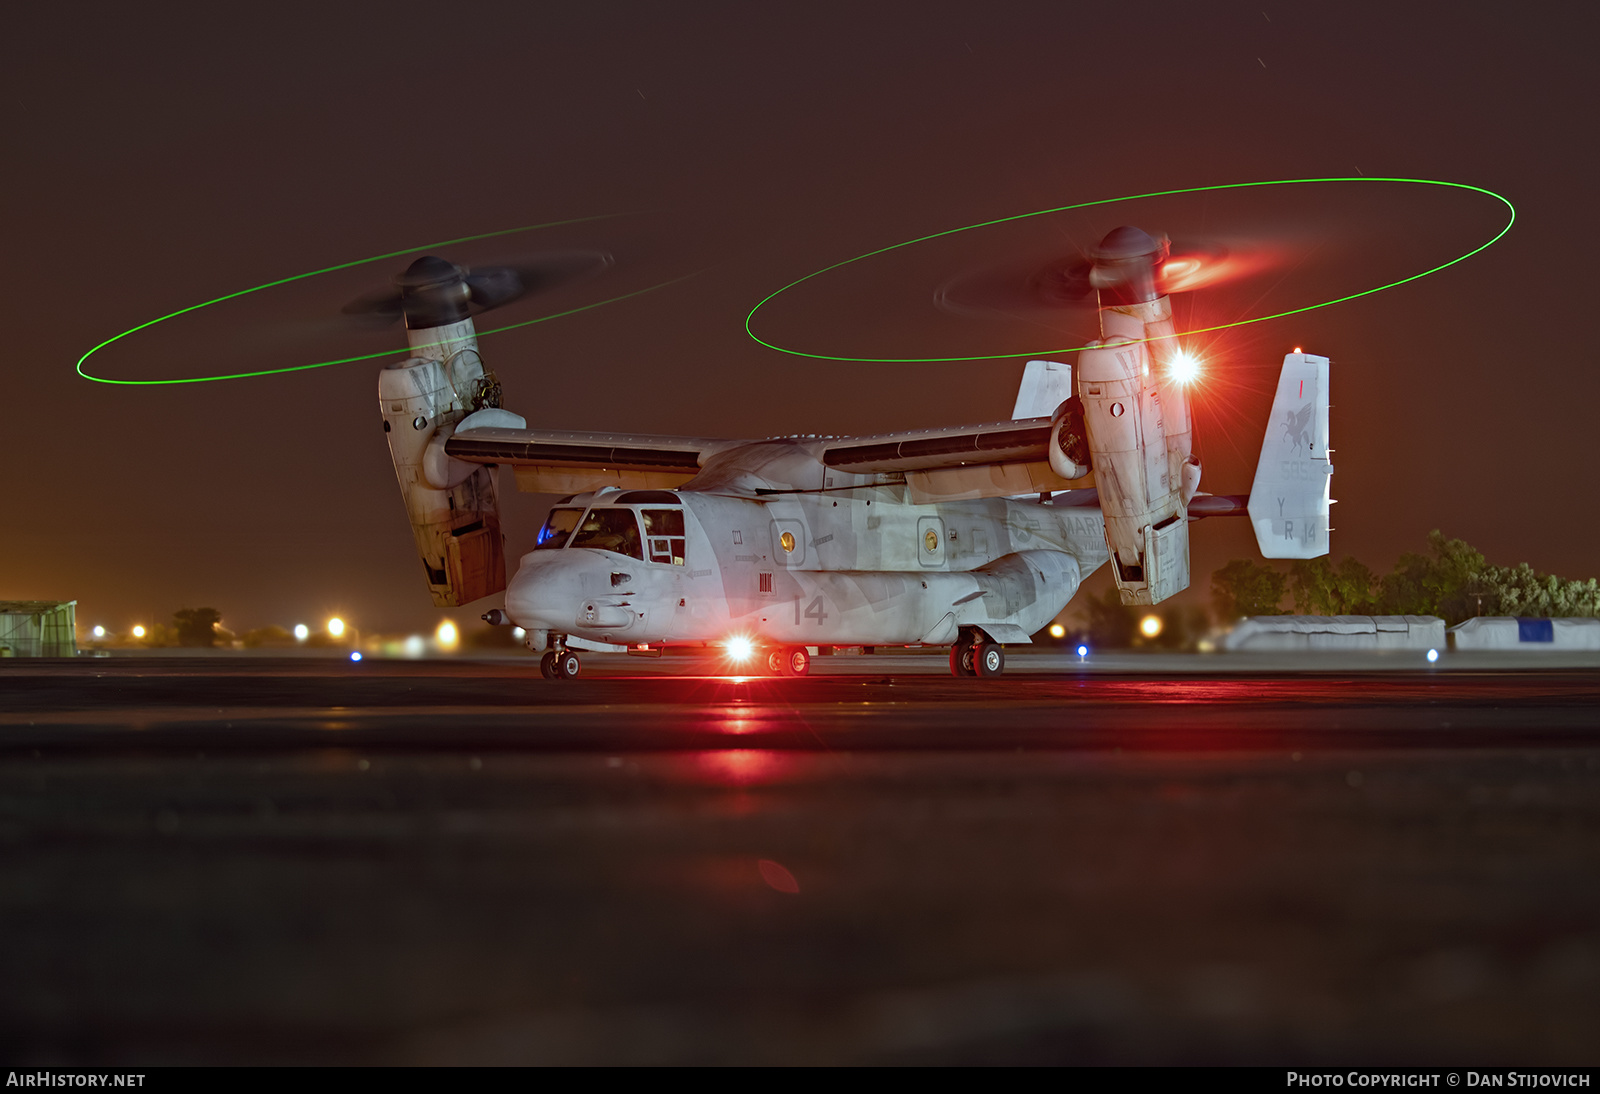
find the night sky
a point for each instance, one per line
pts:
(157, 157)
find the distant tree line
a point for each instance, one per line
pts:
(1452, 580)
(1111, 624)
(193, 627)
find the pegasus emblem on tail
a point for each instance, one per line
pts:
(1297, 425)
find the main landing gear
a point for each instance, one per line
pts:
(788, 661)
(560, 664)
(974, 655)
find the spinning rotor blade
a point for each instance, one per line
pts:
(1060, 284)
(431, 283)
(384, 305)
(1018, 286)
(494, 286)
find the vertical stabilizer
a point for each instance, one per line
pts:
(1290, 498)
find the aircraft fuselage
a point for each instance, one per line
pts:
(817, 557)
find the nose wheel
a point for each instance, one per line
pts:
(560, 666)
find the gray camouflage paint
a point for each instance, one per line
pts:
(861, 571)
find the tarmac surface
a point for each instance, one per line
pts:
(1124, 860)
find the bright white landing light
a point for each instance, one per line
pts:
(302, 632)
(740, 649)
(1185, 368)
(1433, 655)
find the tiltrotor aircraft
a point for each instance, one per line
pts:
(971, 536)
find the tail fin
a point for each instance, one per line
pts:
(1290, 498)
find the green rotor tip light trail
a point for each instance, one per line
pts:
(1511, 217)
(345, 266)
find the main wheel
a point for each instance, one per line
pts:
(547, 666)
(963, 662)
(568, 666)
(990, 659)
(796, 661)
(774, 662)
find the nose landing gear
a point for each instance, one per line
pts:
(560, 663)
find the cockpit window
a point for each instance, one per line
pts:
(663, 534)
(557, 528)
(610, 530)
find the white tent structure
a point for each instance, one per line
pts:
(1504, 632)
(38, 628)
(1336, 632)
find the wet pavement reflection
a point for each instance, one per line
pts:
(471, 867)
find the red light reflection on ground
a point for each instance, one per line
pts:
(742, 766)
(777, 877)
(736, 725)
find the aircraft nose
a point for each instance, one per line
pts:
(548, 590)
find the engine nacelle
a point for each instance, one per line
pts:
(454, 511)
(1147, 529)
(1069, 441)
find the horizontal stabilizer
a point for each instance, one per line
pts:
(1218, 505)
(1290, 498)
(1201, 505)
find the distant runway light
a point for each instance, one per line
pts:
(138, 631)
(1083, 651)
(301, 631)
(1433, 655)
(447, 636)
(1057, 631)
(518, 633)
(1150, 626)
(355, 655)
(99, 632)
(336, 626)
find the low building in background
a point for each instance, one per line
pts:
(1336, 632)
(1505, 632)
(38, 628)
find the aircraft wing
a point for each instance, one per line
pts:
(549, 461)
(1000, 459)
